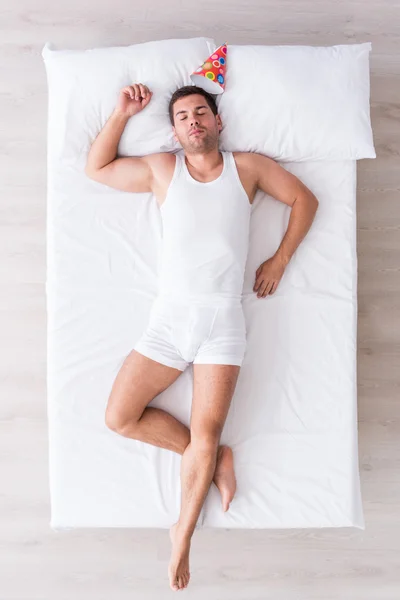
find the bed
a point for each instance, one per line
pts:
(293, 418)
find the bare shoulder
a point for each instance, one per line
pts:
(243, 157)
(159, 157)
(246, 166)
(252, 160)
(162, 165)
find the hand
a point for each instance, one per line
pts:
(133, 98)
(268, 275)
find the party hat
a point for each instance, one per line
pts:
(210, 76)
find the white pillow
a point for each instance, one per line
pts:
(296, 103)
(84, 86)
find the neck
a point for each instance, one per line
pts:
(204, 162)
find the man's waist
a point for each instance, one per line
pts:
(200, 299)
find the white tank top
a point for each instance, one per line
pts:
(205, 236)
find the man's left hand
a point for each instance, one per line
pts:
(268, 275)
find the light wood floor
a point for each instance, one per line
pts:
(36, 563)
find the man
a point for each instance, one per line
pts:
(205, 198)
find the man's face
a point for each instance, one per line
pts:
(193, 113)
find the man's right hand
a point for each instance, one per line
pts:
(133, 98)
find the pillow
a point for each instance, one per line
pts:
(84, 87)
(297, 103)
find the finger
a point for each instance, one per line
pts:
(257, 284)
(145, 92)
(258, 280)
(134, 92)
(267, 288)
(136, 89)
(262, 289)
(274, 286)
(142, 90)
(147, 99)
(129, 91)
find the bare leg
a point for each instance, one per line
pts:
(214, 386)
(139, 380)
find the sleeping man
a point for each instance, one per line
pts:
(205, 199)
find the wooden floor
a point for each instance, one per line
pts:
(35, 562)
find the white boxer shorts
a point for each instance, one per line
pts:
(178, 334)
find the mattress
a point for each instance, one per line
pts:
(293, 418)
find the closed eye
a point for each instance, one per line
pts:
(197, 113)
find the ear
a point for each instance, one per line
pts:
(219, 122)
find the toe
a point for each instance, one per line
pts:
(174, 584)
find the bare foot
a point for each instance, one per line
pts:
(224, 476)
(178, 569)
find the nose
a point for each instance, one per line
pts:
(194, 121)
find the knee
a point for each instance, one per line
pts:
(117, 422)
(207, 437)
(113, 420)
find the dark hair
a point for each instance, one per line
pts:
(188, 90)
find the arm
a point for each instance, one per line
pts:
(301, 217)
(130, 174)
(285, 187)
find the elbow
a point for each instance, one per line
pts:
(315, 202)
(309, 201)
(89, 172)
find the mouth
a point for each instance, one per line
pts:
(196, 132)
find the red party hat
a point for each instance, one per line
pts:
(211, 75)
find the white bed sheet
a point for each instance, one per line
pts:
(293, 419)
